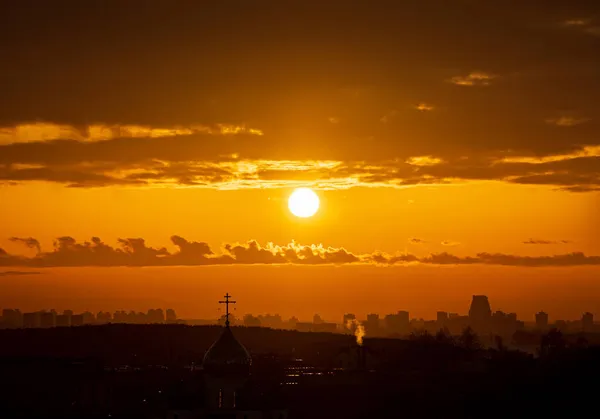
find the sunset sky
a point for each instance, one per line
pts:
(148, 151)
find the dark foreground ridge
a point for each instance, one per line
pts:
(145, 371)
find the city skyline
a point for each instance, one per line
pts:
(479, 307)
(200, 143)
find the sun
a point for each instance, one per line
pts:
(303, 202)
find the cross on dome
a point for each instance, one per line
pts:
(227, 302)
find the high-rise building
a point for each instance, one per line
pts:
(441, 318)
(155, 316)
(372, 325)
(77, 320)
(31, 320)
(480, 314)
(47, 319)
(587, 322)
(397, 323)
(88, 318)
(63, 320)
(541, 320)
(12, 318)
(103, 317)
(404, 318)
(171, 317)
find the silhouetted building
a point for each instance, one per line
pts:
(47, 319)
(31, 320)
(396, 323)
(562, 325)
(587, 322)
(88, 318)
(103, 317)
(171, 317)
(372, 327)
(12, 318)
(480, 314)
(77, 320)
(226, 367)
(274, 321)
(63, 320)
(155, 316)
(251, 321)
(504, 325)
(442, 319)
(541, 320)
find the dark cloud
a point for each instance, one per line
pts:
(30, 242)
(498, 91)
(18, 273)
(415, 240)
(135, 252)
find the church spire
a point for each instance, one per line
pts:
(227, 302)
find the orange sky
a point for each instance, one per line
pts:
(453, 144)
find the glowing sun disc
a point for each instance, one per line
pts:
(303, 202)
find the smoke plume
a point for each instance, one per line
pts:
(358, 329)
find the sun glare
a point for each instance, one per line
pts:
(303, 202)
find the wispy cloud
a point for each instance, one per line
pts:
(423, 161)
(449, 243)
(584, 25)
(424, 107)
(476, 78)
(566, 121)
(388, 116)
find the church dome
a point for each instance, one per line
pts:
(227, 356)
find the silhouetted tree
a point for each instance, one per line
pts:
(443, 336)
(582, 342)
(469, 340)
(421, 335)
(552, 343)
(499, 343)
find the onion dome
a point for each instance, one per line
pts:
(227, 356)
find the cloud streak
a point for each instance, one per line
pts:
(18, 273)
(48, 131)
(68, 252)
(538, 241)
